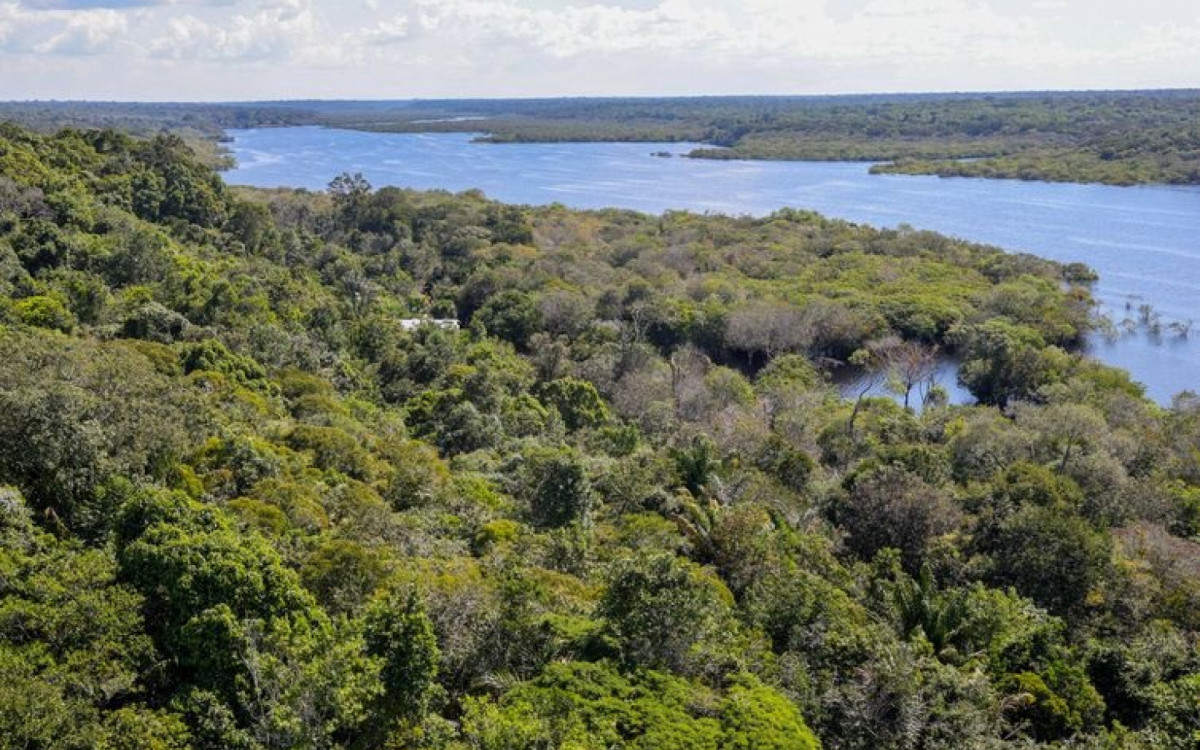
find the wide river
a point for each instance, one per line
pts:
(1143, 241)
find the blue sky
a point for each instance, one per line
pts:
(279, 49)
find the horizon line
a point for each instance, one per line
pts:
(616, 97)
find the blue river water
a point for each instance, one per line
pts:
(1143, 241)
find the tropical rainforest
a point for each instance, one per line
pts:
(1120, 138)
(370, 468)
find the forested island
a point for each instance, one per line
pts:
(388, 469)
(1119, 138)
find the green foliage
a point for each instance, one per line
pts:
(1176, 703)
(789, 370)
(512, 316)
(78, 413)
(72, 643)
(206, 577)
(44, 312)
(332, 449)
(1004, 362)
(755, 716)
(1025, 484)
(665, 613)
(696, 464)
(1061, 709)
(418, 474)
(577, 402)
(890, 507)
(212, 356)
(486, 726)
(1051, 556)
(561, 492)
(576, 704)
(400, 633)
(242, 505)
(342, 575)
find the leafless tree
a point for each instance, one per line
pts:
(769, 328)
(909, 365)
(688, 368)
(871, 361)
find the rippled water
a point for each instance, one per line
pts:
(1143, 241)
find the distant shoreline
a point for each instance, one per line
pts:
(1108, 137)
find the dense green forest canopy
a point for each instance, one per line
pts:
(1108, 137)
(245, 503)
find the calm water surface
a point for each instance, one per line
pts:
(1143, 241)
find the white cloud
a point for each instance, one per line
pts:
(282, 48)
(86, 33)
(388, 31)
(672, 25)
(8, 12)
(778, 29)
(1163, 42)
(70, 5)
(279, 29)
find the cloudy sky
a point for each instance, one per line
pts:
(280, 49)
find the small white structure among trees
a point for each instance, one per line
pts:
(409, 324)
